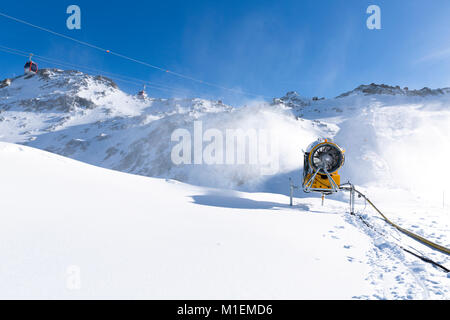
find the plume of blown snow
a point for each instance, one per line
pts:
(399, 146)
(287, 136)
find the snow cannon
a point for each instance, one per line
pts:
(322, 160)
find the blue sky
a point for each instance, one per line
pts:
(317, 48)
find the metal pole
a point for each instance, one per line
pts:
(352, 199)
(291, 192)
(290, 201)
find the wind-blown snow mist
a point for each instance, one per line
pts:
(392, 137)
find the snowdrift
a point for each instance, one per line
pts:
(135, 237)
(71, 230)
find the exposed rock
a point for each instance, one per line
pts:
(5, 83)
(383, 89)
(293, 100)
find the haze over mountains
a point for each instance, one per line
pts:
(129, 233)
(90, 119)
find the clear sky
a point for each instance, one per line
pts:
(317, 48)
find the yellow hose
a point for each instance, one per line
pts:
(407, 232)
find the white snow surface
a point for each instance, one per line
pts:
(138, 237)
(229, 233)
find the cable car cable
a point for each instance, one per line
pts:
(89, 68)
(114, 76)
(130, 58)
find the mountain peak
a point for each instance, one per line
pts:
(60, 78)
(292, 99)
(55, 89)
(383, 89)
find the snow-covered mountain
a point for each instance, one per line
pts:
(88, 118)
(383, 89)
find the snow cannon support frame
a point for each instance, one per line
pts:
(322, 160)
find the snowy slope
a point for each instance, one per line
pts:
(130, 236)
(396, 141)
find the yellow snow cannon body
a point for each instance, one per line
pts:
(322, 160)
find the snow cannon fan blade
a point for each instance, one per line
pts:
(322, 160)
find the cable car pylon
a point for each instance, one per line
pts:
(142, 94)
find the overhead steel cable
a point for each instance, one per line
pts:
(12, 52)
(51, 31)
(55, 61)
(117, 77)
(180, 75)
